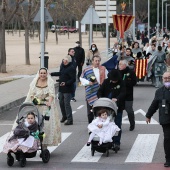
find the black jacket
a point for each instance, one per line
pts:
(79, 55)
(130, 79)
(162, 97)
(66, 74)
(113, 90)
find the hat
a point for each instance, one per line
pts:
(68, 58)
(114, 75)
(78, 42)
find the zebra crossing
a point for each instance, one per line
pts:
(142, 150)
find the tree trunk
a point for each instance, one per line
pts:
(27, 56)
(80, 35)
(56, 33)
(2, 45)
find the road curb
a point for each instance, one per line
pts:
(16, 103)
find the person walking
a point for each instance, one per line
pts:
(92, 77)
(92, 52)
(161, 101)
(130, 79)
(80, 57)
(114, 88)
(42, 88)
(66, 80)
(157, 66)
(71, 53)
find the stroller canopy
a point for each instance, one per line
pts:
(26, 108)
(106, 103)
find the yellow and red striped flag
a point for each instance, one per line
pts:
(122, 23)
(140, 68)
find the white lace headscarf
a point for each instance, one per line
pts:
(50, 83)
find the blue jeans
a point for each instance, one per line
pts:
(118, 122)
(66, 110)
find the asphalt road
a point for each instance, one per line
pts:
(141, 149)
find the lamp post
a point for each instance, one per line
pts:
(163, 14)
(107, 26)
(42, 33)
(134, 20)
(157, 25)
(148, 18)
(166, 14)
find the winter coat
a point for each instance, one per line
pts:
(66, 74)
(162, 102)
(79, 55)
(22, 131)
(130, 79)
(113, 90)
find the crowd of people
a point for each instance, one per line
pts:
(116, 83)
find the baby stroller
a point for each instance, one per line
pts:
(20, 156)
(112, 110)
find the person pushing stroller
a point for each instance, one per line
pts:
(102, 127)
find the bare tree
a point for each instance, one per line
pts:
(78, 8)
(6, 14)
(26, 12)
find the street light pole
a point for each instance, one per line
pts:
(157, 25)
(107, 24)
(163, 14)
(42, 33)
(134, 20)
(148, 18)
(166, 14)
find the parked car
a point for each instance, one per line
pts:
(58, 27)
(66, 29)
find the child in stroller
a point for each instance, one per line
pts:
(102, 126)
(26, 137)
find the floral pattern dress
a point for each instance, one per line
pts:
(51, 127)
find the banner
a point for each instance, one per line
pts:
(122, 23)
(140, 68)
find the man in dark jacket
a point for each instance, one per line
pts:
(114, 88)
(80, 57)
(162, 102)
(66, 80)
(130, 79)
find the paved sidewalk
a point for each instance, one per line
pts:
(14, 93)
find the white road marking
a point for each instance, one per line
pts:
(126, 121)
(84, 155)
(80, 106)
(3, 140)
(143, 149)
(64, 136)
(6, 124)
(73, 112)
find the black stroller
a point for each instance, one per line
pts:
(112, 110)
(20, 156)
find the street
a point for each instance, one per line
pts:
(140, 149)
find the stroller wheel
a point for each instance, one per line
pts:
(10, 160)
(107, 152)
(92, 151)
(23, 160)
(45, 156)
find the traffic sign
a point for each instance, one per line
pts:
(47, 16)
(91, 17)
(100, 7)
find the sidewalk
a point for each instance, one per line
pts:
(14, 93)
